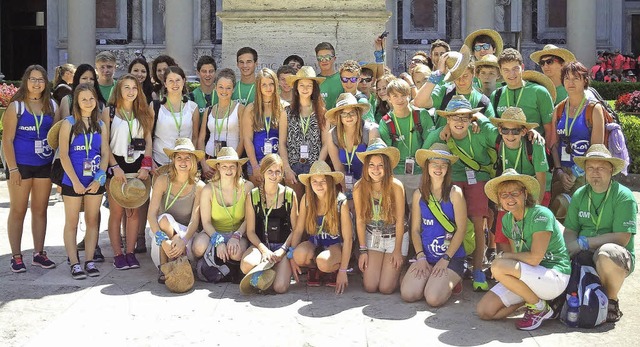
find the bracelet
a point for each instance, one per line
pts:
(236, 235)
(435, 77)
(363, 250)
(216, 239)
(343, 270)
(13, 170)
(419, 253)
(421, 258)
(146, 162)
(284, 248)
(379, 56)
(412, 86)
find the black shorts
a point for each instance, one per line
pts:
(456, 264)
(127, 167)
(68, 191)
(29, 171)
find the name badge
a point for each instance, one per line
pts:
(268, 147)
(409, 164)
(39, 146)
(217, 145)
(130, 151)
(87, 168)
(376, 238)
(304, 151)
(564, 156)
(348, 180)
(471, 176)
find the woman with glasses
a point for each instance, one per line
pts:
(538, 267)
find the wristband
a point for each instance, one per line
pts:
(13, 170)
(111, 169)
(146, 162)
(284, 247)
(419, 253)
(379, 55)
(363, 250)
(216, 239)
(236, 235)
(160, 236)
(435, 77)
(583, 242)
(101, 177)
(290, 253)
(345, 270)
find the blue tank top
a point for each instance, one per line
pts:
(356, 164)
(27, 134)
(580, 136)
(78, 154)
(259, 138)
(433, 233)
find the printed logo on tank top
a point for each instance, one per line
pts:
(27, 128)
(580, 147)
(502, 109)
(426, 221)
(437, 246)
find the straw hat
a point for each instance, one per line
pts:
(261, 277)
(305, 73)
(320, 167)
(560, 205)
(541, 79)
(436, 151)
(131, 194)
(514, 115)
(53, 135)
(378, 69)
(457, 63)
(377, 146)
(179, 275)
(600, 152)
(488, 60)
(458, 105)
(184, 145)
(529, 182)
(227, 154)
(494, 35)
(562, 53)
(345, 100)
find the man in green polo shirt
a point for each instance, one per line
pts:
(601, 219)
(245, 91)
(331, 87)
(106, 67)
(205, 95)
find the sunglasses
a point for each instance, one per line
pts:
(548, 61)
(349, 79)
(513, 194)
(366, 80)
(348, 114)
(510, 131)
(322, 58)
(481, 46)
(418, 61)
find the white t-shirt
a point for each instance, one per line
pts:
(229, 132)
(167, 131)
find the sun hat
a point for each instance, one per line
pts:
(458, 105)
(530, 183)
(178, 275)
(541, 79)
(550, 49)
(378, 69)
(494, 35)
(345, 100)
(184, 145)
(600, 152)
(320, 167)
(488, 60)
(457, 63)
(305, 73)
(133, 193)
(514, 115)
(261, 277)
(227, 154)
(377, 146)
(436, 151)
(53, 134)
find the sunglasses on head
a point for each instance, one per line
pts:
(510, 131)
(481, 46)
(349, 79)
(548, 61)
(366, 79)
(418, 61)
(322, 58)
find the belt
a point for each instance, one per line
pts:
(384, 236)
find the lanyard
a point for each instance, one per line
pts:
(514, 95)
(470, 146)
(129, 117)
(178, 125)
(37, 122)
(267, 213)
(221, 125)
(305, 125)
(168, 205)
(87, 143)
(567, 132)
(504, 164)
(207, 103)
(244, 101)
(516, 226)
(376, 208)
(235, 202)
(267, 124)
(321, 227)
(349, 154)
(395, 120)
(594, 221)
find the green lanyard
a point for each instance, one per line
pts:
(221, 125)
(348, 154)
(395, 120)
(567, 132)
(129, 117)
(321, 227)
(235, 201)
(594, 221)
(377, 209)
(504, 164)
(37, 122)
(470, 146)
(178, 125)
(244, 101)
(168, 205)
(267, 124)
(516, 226)
(267, 213)
(87, 143)
(514, 95)
(305, 125)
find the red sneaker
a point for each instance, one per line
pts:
(457, 289)
(313, 277)
(533, 318)
(331, 279)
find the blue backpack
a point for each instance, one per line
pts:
(591, 294)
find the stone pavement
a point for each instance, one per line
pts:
(129, 308)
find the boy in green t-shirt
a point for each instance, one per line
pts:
(331, 87)
(204, 95)
(350, 78)
(106, 67)
(488, 74)
(245, 92)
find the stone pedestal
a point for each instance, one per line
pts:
(179, 33)
(277, 29)
(480, 15)
(581, 38)
(81, 24)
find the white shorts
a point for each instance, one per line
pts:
(179, 228)
(547, 284)
(388, 244)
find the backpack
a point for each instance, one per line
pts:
(592, 296)
(393, 132)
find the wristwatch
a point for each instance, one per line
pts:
(446, 257)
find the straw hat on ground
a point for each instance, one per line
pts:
(261, 277)
(600, 152)
(131, 194)
(549, 49)
(320, 167)
(305, 73)
(179, 275)
(458, 105)
(345, 100)
(227, 154)
(436, 151)
(457, 63)
(530, 183)
(377, 146)
(541, 79)
(184, 145)
(494, 35)
(514, 115)
(53, 135)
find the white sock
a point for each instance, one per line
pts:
(540, 305)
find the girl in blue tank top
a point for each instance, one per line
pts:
(438, 227)
(83, 155)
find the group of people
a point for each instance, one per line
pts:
(280, 173)
(615, 67)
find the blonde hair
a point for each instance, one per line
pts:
(398, 86)
(60, 71)
(238, 180)
(173, 173)
(364, 189)
(331, 217)
(258, 105)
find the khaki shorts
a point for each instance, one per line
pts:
(618, 254)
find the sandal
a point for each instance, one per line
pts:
(161, 277)
(613, 311)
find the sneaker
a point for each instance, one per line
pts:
(120, 262)
(533, 318)
(97, 255)
(69, 260)
(313, 277)
(457, 289)
(490, 254)
(141, 245)
(91, 269)
(132, 261)
(17, 265)
(80, 245)
(331, 278)
(480, 281)
(41, 259)
(77, 273)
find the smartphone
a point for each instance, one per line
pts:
(384, 34)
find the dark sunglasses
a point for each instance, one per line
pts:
(548, 61)
(366, 80)
(347, 79)
(510, 131)
(481, 46)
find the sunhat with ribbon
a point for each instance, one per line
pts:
(458, 105)
(436, 151)
(530, 183)
(345, 100)
(541, 79)
(494, 35)
(261, 277)
(184, 145)
(305, 73)
(377, 146)
(550, 49)
(600, 152)
(320, 167)
(514, 115)
(133, 193)
(227, 154)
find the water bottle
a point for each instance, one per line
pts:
(572, 311)
(577, 171)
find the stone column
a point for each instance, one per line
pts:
(136, 21)
(480, 15)
(205, 22)
(527, 46)
(179, 33)
(81, 28)
(581, 38)
(456, 24)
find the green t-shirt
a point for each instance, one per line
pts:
(107, 90)
(330, 89)
(538, 218)
(561, 94)
(410, 141)
(475, 145)
(438, 93)
(369, 115)
(201, 99)
(533, 99)
(617, 213)
(244, 93)
(518, 159)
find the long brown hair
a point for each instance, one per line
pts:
(425, 187)
(365, 188)
(78, 127)
(21, 94)
(383, 107)
(259, 109)
(312, 202)
(316, 101)
(340, 129)
(140, 106)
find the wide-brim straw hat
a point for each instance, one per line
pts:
(377, 146)
(458, 105)
(378, 69)
(261, 277)
(178, 275)
(345, 100)
(600, 152)
(541, 79)
(550, 49)
(53, 134)
(530, 183)
(488, 60)
(494, 35)
(131, 194)
(457, 63)
(514, 115)
(184, 145)
(320, 167)
(305, 73)
(436, 151)
(227, 154)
